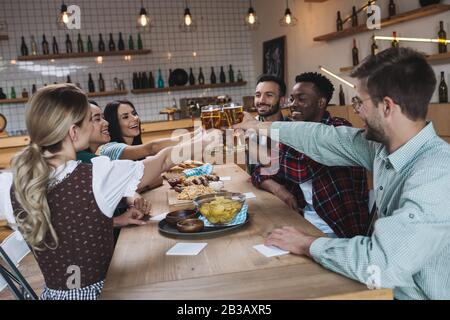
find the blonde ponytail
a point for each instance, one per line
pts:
(51, 113)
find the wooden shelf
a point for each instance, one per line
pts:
(194, 87)
(89, 94)
(438, 57)
(107, 93)
(3, 37)
(399, 18)
(434, 58)
(11, 101)
(84, 55)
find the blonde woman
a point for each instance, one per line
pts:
(63, 208)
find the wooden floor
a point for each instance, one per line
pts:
(29, 269)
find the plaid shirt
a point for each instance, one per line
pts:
(340, 195)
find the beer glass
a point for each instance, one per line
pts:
(232, 114)
(211, 117)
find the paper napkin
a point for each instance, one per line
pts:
(186, 249)
(270, 251)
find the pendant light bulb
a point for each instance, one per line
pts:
(251, 20)
(187, 17)
(288, 19)
(143, 19)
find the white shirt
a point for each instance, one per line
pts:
(111, 181)
(309, 212)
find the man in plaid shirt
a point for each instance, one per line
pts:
(334, 199)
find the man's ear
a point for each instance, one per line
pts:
(282, 101)
(322, 103)
(73, 132)
(389, 106)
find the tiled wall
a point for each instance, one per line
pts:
(221, 38)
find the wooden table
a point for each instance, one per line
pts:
(229, 267)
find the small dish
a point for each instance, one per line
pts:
(190, 225)
(216, 185)
(174, 217)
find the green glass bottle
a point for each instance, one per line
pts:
(160, 79)
(13, 93)
(139, 42)
(90, 47)
(130, 43)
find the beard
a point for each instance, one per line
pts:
(271, 109)
(374, 132)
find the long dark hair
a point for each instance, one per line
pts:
(114, 127)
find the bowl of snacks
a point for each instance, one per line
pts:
(221, 207)
(172, 218)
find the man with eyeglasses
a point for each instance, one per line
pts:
(334, 199)
(410, 243)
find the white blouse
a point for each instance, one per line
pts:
(111, 181)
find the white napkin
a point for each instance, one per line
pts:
(225, 178)
(249, 195)
(159, 217)
(186, 249)
(270, 251)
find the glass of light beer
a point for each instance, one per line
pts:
(232, 114)
(211, 117)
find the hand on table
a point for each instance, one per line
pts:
(141, 205)
(130, 217)
(284, 195)
(290, 239)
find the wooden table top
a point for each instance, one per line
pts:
(229, 267)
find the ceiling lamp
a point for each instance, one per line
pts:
(63, 16)
(143, 20)
(188, 24)
(251, 20)
(288, 19)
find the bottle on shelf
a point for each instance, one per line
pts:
(392, 9)
(34, 50)
(13, 93)
(2, 94)
(140, 45)
(442, 36)
(45, 49)
(80, 44)
(354, 17)
(55, 48)
(101, 43)
(239, 76)
(212, 77)
(171, 84)
(68, 79)
(191, 77)
(231, 73)
(91, 85)
(341, 96)
(69, 48)
(339, 22)
(374, 46)
(90, 47)
(222, 76)
(24, 93)
(23, 47)
(135, 81)
(116, 84)
(443, 90)
(160, 79)
(121, 44)
(201, 77)
(395, 43)
(139, 81)
(130, 43)
(101, 83)
(111, 44)
(121, 85)
(33, 89)
(355, 53)
(145, 82)
(151, 80)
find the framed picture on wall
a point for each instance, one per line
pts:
(274, 57)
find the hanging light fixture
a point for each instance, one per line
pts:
(188, 23)
(251, 20)
(288, 19)
(63, 16)
(143, 20)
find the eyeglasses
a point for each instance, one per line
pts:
(357, 103)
